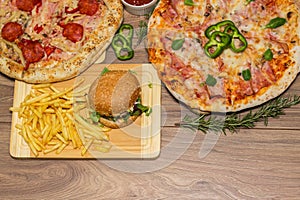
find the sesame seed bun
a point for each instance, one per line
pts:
(115, 93)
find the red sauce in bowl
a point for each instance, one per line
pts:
(138, 2)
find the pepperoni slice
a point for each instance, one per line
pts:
(49, 50)
(27, 5)
(11, 31)
(32, 51)
(88, 7)
(73, 32)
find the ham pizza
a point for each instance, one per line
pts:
(225, 55)
(54, 40)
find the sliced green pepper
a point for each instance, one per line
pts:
(217, 44)
(122, 47)
(217, 27)
(234, 33)
(128, 27)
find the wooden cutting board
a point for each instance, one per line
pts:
(139, 140)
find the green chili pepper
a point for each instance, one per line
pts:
(129, 34)
(276, 22)
(236, 35)
(268, 55)
(246, 74)
(217, 43)
(217, 27)
(177, 44)
(122, 47)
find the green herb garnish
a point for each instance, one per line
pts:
(142, 31)
(249, 1)
(210, 80)
(268, 55)
(246, 74)
(177, 44)
(189, 2)
(95, 116)
(104, 71)
(276, 22)
(233, 122)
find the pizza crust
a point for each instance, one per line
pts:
(52, 71)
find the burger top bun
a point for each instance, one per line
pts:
(116, 92)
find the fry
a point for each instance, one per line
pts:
(53, 148)
(86, 147)
(35, 99)
(39, 86)
(59, 150)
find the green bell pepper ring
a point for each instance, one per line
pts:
(217, 44)
(129, 34)
(122, 47)
(234, 33)
(217, 27)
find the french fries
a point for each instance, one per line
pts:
(49, 123)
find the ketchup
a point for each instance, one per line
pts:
(138, 2)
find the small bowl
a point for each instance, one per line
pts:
(139, 9)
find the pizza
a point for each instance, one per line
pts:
(54, 40)
(225, 55)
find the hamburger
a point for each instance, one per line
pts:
(116, 99)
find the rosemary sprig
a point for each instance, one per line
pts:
(142, 31)
(234, 121)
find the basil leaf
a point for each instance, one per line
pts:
(276, 22)
(268, 55)
(189, 2)
(104, 71)
(246, 74)
(210, 80)
(177, 44)
(248, 1)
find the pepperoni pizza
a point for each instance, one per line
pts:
(54, 40)
(225, 55)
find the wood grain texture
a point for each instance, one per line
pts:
(259, 163)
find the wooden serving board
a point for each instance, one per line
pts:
(139, 140)
(101, 58)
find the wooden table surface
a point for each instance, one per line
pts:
(258, 163)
